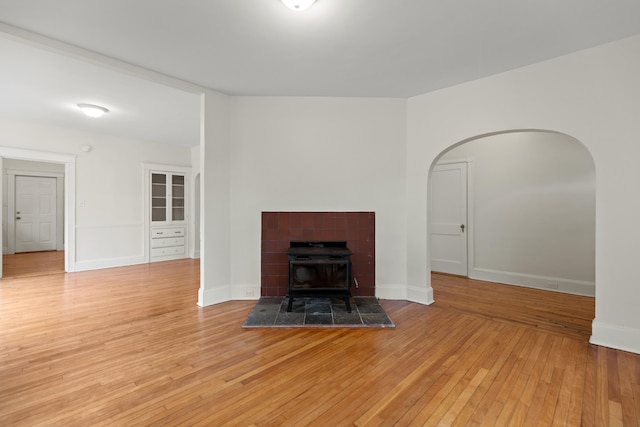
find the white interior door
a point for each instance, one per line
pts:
(36, 220)
(448, 197)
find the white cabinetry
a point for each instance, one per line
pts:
(167, 215)
(167, 243)
(168, 197)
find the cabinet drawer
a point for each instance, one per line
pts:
(167, 232)
(171, 250)
(167, 241)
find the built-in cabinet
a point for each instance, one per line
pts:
(167, 197)
(167, 215)
(167, 243)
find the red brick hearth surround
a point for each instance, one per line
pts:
(280, 228)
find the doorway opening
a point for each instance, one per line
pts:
(34, 225)
(59, 253)
(448, 196)
(529, 218)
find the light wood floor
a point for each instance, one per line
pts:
(129, 346)
(32, 264)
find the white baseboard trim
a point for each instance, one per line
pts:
(108, 263)
(618, 337)
(213, 296)
(245, 292)
(556, 284)
(392, 292)
(421, 295)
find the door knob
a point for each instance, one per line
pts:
(462, 228)
(17, 217)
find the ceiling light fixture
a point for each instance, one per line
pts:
(298, 5)
(92, 110)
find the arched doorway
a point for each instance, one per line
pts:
(531, 209)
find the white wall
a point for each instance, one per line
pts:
(215, 283)
(109, 187)
(533, 206)
(194, 204)
(25, 165)
(590, 95)
(317, 154)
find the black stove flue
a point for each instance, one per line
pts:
(319, 269)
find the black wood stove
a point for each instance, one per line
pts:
(319, 269)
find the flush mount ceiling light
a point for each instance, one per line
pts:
(298, 4)
(92, 110)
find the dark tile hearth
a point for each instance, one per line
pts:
(271, 312)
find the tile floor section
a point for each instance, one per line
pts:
(366, 312)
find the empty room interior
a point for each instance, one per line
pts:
(319, 212)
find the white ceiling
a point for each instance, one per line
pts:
(352, 48)
(40, 86)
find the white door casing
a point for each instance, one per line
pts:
(36, 220)
(68, 185)
(148, 169)
(448, 225)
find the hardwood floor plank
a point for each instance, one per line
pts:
(434, 363)
(549, 407)
(602, 388)
(487, 347)
(551, 311)
(589, 388)
(427, 394)
(509, 415)
(129, 346)
(567, 369)
(636, 399)
(615, 414)
(508, 366)
(411, 379)
(463, 398)
(578, 384)
(628, 379)
(507, 358)
(32, 264)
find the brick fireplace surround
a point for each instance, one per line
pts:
(280, 228)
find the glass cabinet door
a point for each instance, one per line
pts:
(158, 197)
(177, 198)
(168, 198)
